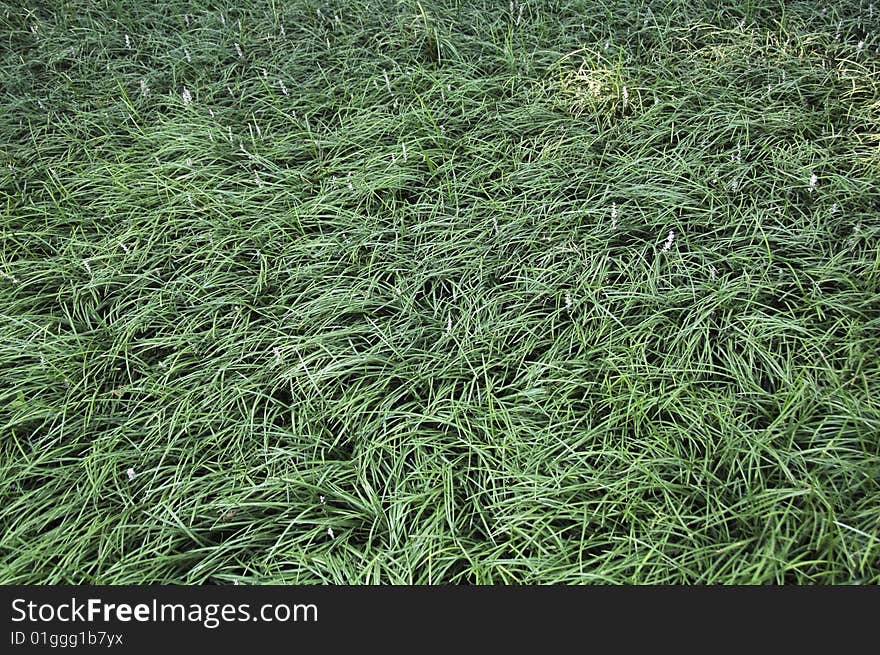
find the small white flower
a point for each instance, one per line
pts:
(669, 239)
(277, 352)
(860, 46)
(11, 278)
(449, 325)
(283, 88)
(713, 272)
(131, 474)
(814, 179)
(186, 19)
(404, 152)
(350, 185)
(607, 44)
(187, 96)
(238, 51)
(330, 533)
(127, 42)
(88, 268)
(145, 90)
(187, 56)
(742, 24)
(625, 96)
(568, 300)
(322, 500)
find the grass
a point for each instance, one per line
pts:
(440, 292)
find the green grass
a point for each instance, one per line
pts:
(393, 298)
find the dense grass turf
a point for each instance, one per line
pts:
(439, 291)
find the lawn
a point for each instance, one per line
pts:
(439, 292)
